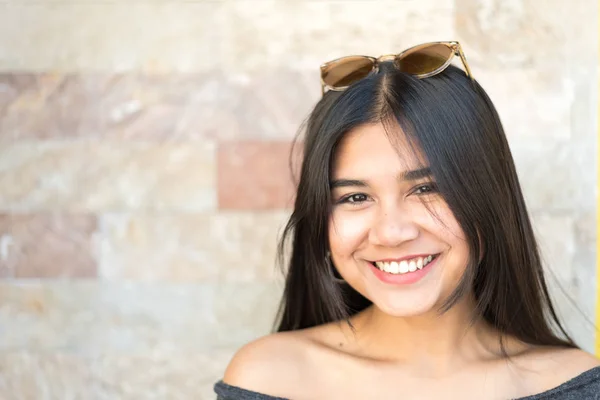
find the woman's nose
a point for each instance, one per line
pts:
(393, 227)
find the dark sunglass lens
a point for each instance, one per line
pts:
(424, 60)
(346, 71)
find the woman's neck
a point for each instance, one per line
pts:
(437, 342)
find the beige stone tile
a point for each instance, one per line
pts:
(246, 245)
(582, 301)
(30, 375)
(335, 29)
(570, 274)
(245, 312)
(225, 247)
(573, 316)
(585, 268)
(575, 313)
(111, 36)
(47, 246)
(51, 375)
(95, 318)
(586, 229)
(524, 33)
(104, 176)
(584, 110)
(531, 103)
(572, 281)
(558, 246)
(555, 175)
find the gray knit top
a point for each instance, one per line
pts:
(585, 386)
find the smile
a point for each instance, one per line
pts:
(404, 266)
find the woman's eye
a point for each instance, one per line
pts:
(425, 188)
(356, 198)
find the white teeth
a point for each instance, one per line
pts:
(412, 266)
(404, 266)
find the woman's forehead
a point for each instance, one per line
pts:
(376, 147)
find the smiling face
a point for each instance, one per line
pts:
(391, 235)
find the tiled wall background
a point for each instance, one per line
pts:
(144, 168)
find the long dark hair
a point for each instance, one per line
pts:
(455, 125)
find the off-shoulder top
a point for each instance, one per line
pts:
(585, 386)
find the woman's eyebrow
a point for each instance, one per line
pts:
(412, 175)
(415, 174)
(338, 183)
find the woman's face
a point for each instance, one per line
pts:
(391, 235)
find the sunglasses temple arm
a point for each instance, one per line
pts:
(464, 61)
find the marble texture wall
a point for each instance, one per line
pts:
(144, 169)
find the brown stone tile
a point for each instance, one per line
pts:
(255, 175)
(47, 246)
(119, 106)
(272, 103)
(158, 107)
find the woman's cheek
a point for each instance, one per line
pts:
(348, 229)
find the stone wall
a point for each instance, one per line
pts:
(144, 168)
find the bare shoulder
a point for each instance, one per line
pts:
(270, 365)
(571, 360)
(578, 361)
(551, 367)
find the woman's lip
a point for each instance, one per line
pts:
(406, 258)
(403, 279)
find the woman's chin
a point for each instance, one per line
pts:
(404, 309)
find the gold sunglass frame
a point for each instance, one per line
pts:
(453, 45)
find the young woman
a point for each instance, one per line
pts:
(414, 272)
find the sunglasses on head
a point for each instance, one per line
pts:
(421, 61)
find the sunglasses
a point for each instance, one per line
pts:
(421, 61)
